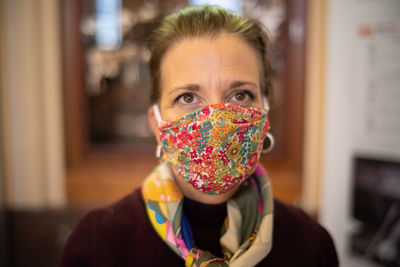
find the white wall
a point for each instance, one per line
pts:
(31, 103)
(343, 17)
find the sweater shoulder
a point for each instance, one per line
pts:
(103, 236)
(295, 230)
(298, 223)
(283, 211)
(122, 212)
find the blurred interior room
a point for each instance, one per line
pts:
(74, 94)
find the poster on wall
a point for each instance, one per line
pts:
(375, 127)
(376, 87)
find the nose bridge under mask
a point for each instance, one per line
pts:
(157, 113)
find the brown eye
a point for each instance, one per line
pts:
(188, 98)
(241, 96)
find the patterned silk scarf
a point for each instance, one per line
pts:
(246, 234)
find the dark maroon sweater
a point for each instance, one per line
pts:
(121, 235)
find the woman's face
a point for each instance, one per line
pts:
(205, 71)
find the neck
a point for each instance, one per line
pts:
(192, 193)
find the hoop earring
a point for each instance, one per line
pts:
(158, 152)
(271, 144)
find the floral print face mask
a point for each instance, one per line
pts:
(216, 147)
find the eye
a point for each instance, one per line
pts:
(186, 98)
(241, 96)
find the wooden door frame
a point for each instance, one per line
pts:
(83, 160)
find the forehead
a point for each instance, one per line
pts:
(226, 56)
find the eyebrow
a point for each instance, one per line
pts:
(236, 84)
(195, 87)
(188, 87)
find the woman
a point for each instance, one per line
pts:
(209, 202)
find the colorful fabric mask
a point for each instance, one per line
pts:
(246, 235)
(217, 147)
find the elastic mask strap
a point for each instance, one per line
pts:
(265, 103)
(157, 113)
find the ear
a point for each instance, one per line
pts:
(153, 123)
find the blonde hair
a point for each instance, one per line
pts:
(205, 20)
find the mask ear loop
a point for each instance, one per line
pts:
(265, 103)
(157, 115)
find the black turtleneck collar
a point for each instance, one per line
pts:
(201, 214)
(206, 221)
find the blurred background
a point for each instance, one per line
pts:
(74, 136)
